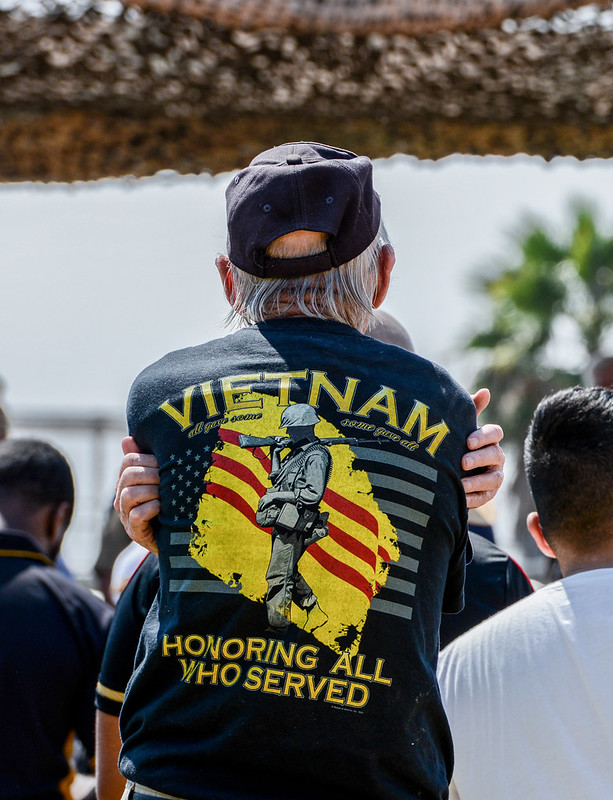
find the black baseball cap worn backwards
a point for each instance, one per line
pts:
(301, 186)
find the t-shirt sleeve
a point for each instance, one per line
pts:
(130, 614)
(453, 598)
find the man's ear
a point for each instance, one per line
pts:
(387, 259)
(534, 526)
(57, 521)
(223, 267)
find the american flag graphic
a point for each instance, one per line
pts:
(378, 505)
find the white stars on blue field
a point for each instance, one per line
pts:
(187, 482)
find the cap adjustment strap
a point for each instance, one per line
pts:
(296, 267)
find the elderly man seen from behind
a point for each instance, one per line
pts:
(368, 500)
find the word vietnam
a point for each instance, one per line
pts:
(239, 393)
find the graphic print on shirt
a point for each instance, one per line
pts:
(289, 522)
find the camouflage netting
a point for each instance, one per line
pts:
(412, 17)
(133, 92)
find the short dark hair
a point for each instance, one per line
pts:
(568, 457)
(35, 471)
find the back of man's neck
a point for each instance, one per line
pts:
(586, 562)
(29, 524)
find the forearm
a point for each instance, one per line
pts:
(311, 484)
(109, 782)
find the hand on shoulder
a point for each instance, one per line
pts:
(486, 454)
(137, 496)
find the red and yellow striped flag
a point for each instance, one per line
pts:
(345, 569)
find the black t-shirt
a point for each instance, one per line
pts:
(52, 635)
(345, 699)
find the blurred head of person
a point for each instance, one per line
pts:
(4, 425)
(36, 491)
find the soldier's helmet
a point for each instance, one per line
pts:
(300, 414)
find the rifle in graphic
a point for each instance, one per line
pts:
(270, 441)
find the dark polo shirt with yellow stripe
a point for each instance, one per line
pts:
(52, 635)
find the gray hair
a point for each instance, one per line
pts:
(343, 294)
